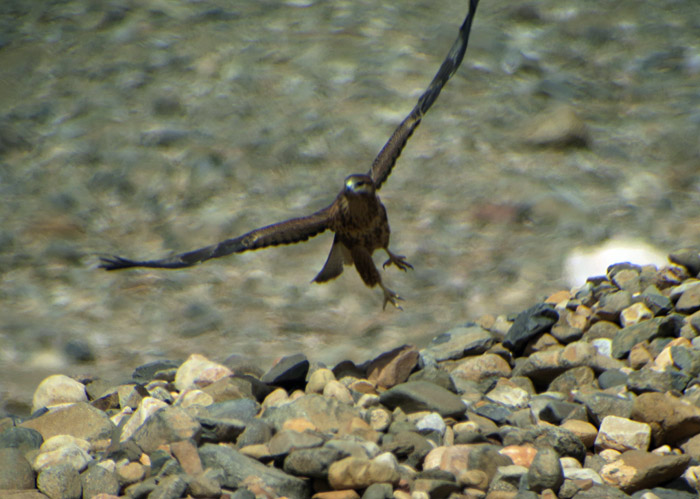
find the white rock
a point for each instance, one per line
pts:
(63, 449)
(146, 408)
(432, 422)
(582, 474)
(194, 397)
(198, 371)
(623, 434)
(510, 396)
(58, 389)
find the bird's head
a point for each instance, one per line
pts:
(360, 185)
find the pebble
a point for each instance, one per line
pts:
(423, 396)
(608, 411)
(60, 481)
(96, 480)
(478, 368)
(58, 389)
(392, 368)
(198, 371)
(15, 471)
(623, 434)
(318, 379)
(289, 372)
(80, 420)
(545, 472)
(64, 450)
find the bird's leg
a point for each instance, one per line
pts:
(390, 297)
(370, 275)
(398, 260)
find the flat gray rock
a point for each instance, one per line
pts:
(242, 472)
(416, 396)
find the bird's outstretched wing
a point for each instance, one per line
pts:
(385, 160)
(287, 232)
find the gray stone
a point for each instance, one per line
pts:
(59, 482)
(98, 480)
(687, 359)
(242, 408)
(379, 491)
(563, 441)
(141, 489)
(610, 305)
(528, 324)
(600, 404)
(170, 487)
(285, 441)
(658, 303)
(438, 489)
(313, 463)
(628, 280)
(206, 483)
(507, 479)
(409, 446)
(600, 492)
(327, 415)
(15, 470)
(243, 494)
(240, 470)
(650, 380)
(289, 373)
(460, 342)
(163, 464)
(352, 446)
(689, 301)
(487, 458)
(497, 413)
(557, 411)
(256, 432)
(169, 424)
(601, 329)
(79, 420)
(436, 376)
(612, 377)
(148, 372)
(572, 379)
(688, 258)
(22, 439)
(627, 337)
(215, 429)
(416, 396)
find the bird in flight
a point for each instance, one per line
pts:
(357, 216)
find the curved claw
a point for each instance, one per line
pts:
(399, 261)
(391, 297)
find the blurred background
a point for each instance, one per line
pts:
(146, 128)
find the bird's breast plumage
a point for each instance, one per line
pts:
(361, 221)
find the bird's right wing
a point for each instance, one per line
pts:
(287, 232)
(385, 160)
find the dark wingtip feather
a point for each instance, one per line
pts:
(116, 263)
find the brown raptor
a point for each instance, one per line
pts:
(357, 216)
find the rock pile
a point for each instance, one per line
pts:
(591, 394)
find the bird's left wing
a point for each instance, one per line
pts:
(287, 232)
(385, 160)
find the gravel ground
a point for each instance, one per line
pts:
(145, 128)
